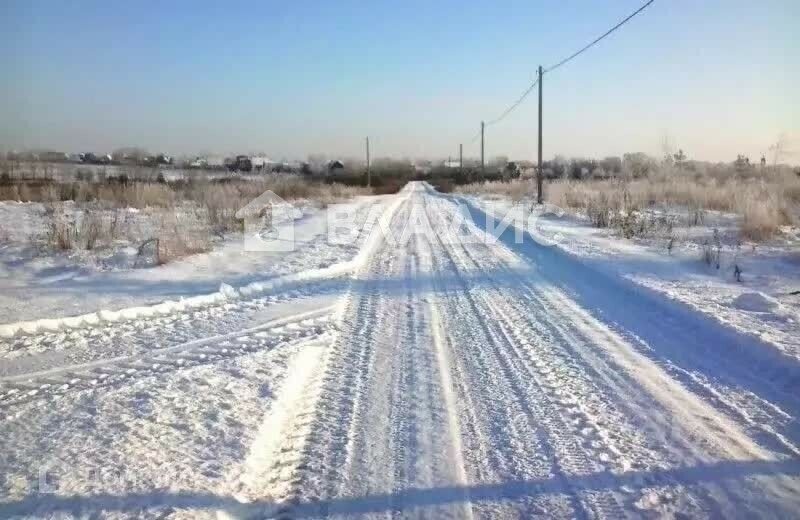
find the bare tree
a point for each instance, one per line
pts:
(679, 158)
(667, 148)
(780, 149)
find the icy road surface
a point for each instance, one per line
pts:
(445, 374)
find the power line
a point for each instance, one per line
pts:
(514, 105)
(620, 24)
(519, 101)
(541, 71)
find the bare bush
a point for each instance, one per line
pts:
(9, 192)
(712, 251)
(86, 229)
(61, 234)
(181, 235)
(762, 216)
(765, 198)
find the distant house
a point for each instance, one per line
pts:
(243, 163)
(198, 162)
(25, 156)
(423, 167)
(163, 159)
(306, 169)
(512, 170)
(260, 162)
(209, 162)
(247, 163)
(335, 166)
(450, 163)
(283, 167)
(51, 156)
(215, 161)
(91, 158)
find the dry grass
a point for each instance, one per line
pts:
(233, 192)
(108, 195)
(764, 205)
(516, 189)
(765, 201)
(221, 201)
(85, 230)
(179, 236)
(187, 214)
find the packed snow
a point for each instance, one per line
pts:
(426, 359)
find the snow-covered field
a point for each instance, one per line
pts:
(424, 368)
(36, 284)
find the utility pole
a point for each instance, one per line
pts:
(369, 175)
(483, 163)
(539, 195)
(461, 159)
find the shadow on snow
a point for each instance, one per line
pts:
(406, 498)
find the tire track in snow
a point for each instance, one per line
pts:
(381, 426)
(748, 382)
(531, 306)
(271, 467)
(580, 450)
(141, 334)
(47, 384)
(285, 469)
(755, 414)
(449, 393)
(552, 454)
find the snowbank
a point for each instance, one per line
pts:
(225, 293)
(754, 302)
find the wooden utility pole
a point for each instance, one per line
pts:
(539, 195)
(369, 175)
(483, 163)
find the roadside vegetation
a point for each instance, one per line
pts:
(182, 214)
(639, 197)
(164, 219)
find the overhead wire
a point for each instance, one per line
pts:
(569, 58)
(572, 56)
(514, 105)
(582, 50)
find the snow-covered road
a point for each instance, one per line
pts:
(451, 374)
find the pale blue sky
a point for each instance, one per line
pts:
(291, 78)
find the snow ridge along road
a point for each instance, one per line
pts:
(452, 374)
